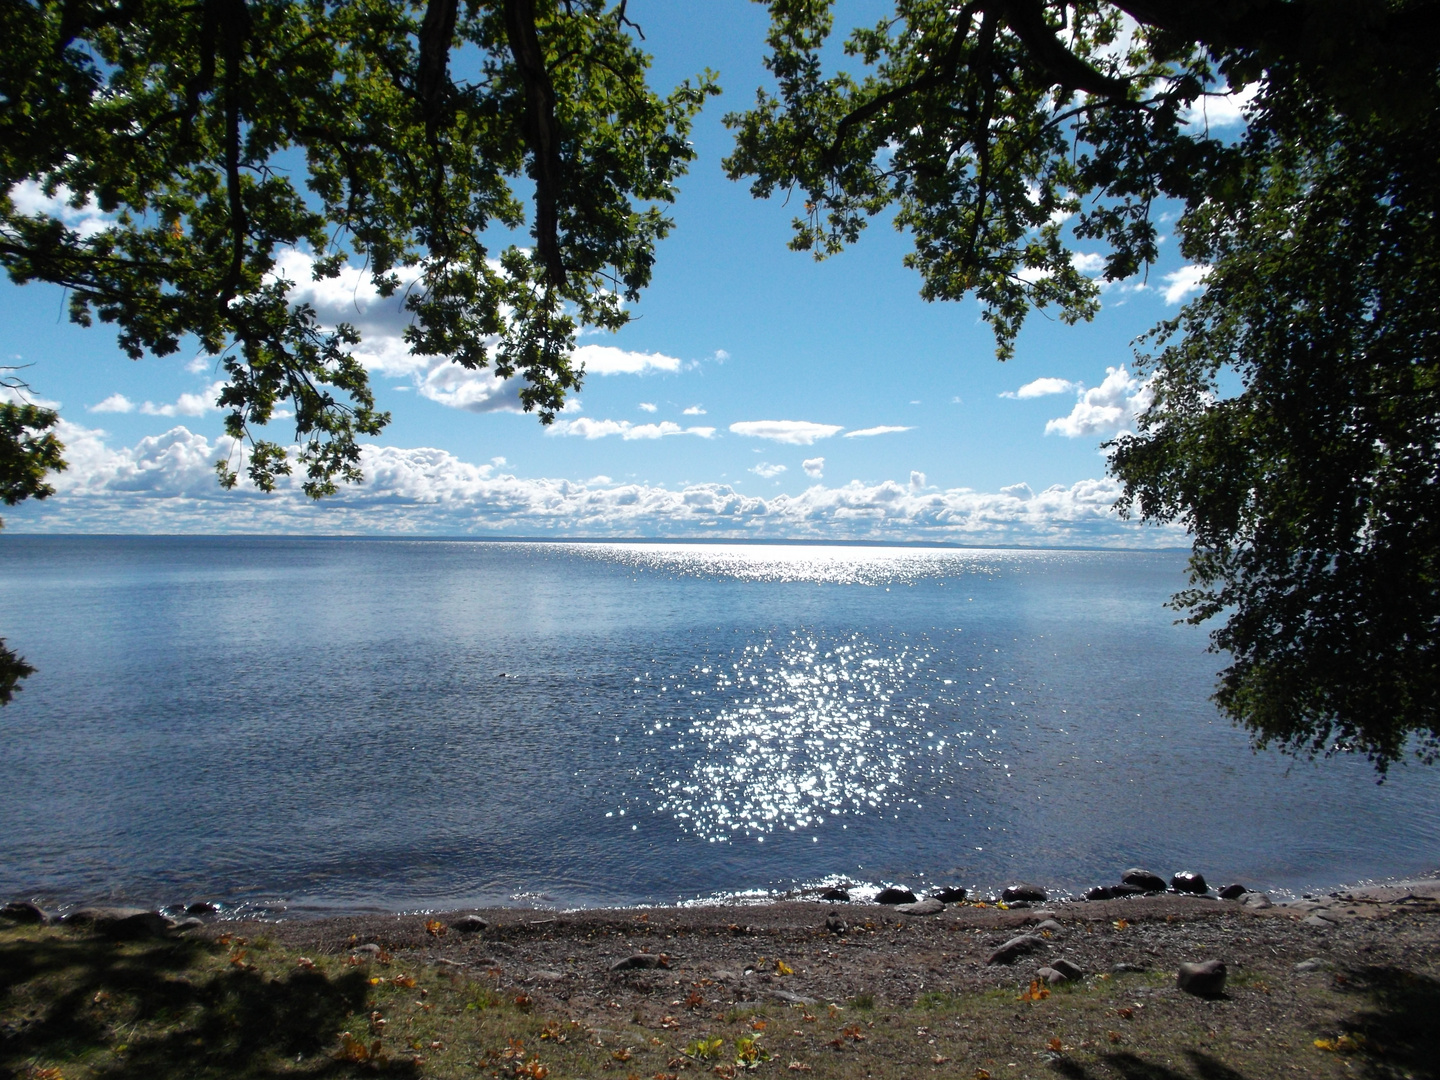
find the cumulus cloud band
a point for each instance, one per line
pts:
(166, 483)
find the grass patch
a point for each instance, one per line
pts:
(73, 1007)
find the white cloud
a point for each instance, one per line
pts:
(587, 428)
(184, 405)
(793, 432)
(694, 410)
(1041, 387)
(1087, 262)
(1181, 283)
(884, 429)
(814, 467)
(917, 480)
(608, 360)
(765, 470)
(166, 484)
(118, 403)
(721, 356)
(1222, 110)
(1108, 408)
(28, 197)
(647, 406)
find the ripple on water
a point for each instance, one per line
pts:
(790, 734)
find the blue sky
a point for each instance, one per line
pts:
(773, 367)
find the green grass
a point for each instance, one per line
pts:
(73, 1007)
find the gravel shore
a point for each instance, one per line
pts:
(840, 952)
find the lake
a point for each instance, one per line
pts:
(328, 725)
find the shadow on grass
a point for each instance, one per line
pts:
(1394, 1034)
(1399, 1021)
(162, 1009)
(1133, 1067)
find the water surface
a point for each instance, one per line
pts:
(338, 724)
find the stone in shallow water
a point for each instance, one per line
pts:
(1233, 892)
(22, 911)
(949, 894)
(836, 896)
(1112, 892)
(1023, 891)
(895, 894)
(1143, 880)
(1187, 881)
(1206, 979)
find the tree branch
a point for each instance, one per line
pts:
(542, 132)
(1027, 19)
(436, 34)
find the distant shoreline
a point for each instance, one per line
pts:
(694, 541)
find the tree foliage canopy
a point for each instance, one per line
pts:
(221, 133)
(1000, 133)
(29, 451)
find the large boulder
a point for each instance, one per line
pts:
(1187, 881)
(1203, 980)
(928, 906)
(1061, 971)
(1023, 890)
(23, 911)
(949, 894)
(468, 924)
(895, 894)
(1233, 892)
(1143, 880)
(1015, 948)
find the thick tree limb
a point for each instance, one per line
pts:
(1027, 19)
(436, 34)
(542, 132)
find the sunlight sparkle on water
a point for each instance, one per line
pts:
(801, 732)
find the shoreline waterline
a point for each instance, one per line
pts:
(860, 895)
